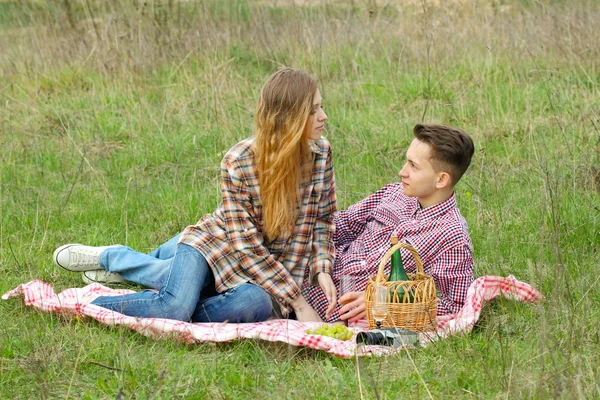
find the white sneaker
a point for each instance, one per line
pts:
(103, 276)
(77, 257)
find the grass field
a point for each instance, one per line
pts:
(114, 117)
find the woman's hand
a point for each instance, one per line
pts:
(353, 306)
(304, 312)
(328, 287)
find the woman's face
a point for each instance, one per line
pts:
(316, 121)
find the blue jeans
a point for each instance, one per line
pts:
(187, 291)
(149, 270)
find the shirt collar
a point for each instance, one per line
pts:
(436, 210)
(314, 146)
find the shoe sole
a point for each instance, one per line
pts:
(88, 280)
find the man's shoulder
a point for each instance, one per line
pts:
(447, 221)
(455, 228)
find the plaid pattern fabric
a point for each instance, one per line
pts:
(439, 234)
(231, 239)
(41, 295)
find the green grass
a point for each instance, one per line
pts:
(114, 119)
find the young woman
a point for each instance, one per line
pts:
(275, 220)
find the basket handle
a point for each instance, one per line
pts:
(391, 251)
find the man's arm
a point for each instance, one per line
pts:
(453, 274)
(350, 223)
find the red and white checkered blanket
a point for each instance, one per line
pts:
(76, 301)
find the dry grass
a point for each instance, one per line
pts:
(111, 36)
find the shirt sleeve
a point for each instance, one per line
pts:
(453, 274)
(323, 250)
(247, 241)
(350, 223)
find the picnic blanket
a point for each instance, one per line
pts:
(76, 301)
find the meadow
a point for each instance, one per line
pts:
(114, 117)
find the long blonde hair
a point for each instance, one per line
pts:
(283, 154)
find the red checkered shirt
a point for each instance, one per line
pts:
(231, 239)
(439, 234)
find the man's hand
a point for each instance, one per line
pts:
(304, 312)
(328, 287)
(354, 306)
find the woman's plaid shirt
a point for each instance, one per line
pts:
(231, 239)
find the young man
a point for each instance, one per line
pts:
(420, 210)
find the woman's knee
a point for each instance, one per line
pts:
(180, 309)
(188, 277)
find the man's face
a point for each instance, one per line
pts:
(418, 176)
(316, 122)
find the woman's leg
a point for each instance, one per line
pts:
(149, 270)
(140, 268)
(177, 298)
(243, 303)
(167, 249)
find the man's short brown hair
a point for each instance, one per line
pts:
(451, 148)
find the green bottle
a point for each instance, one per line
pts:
(397, 273)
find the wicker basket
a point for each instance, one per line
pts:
(418, 315)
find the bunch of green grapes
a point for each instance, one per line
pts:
(337, 331)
